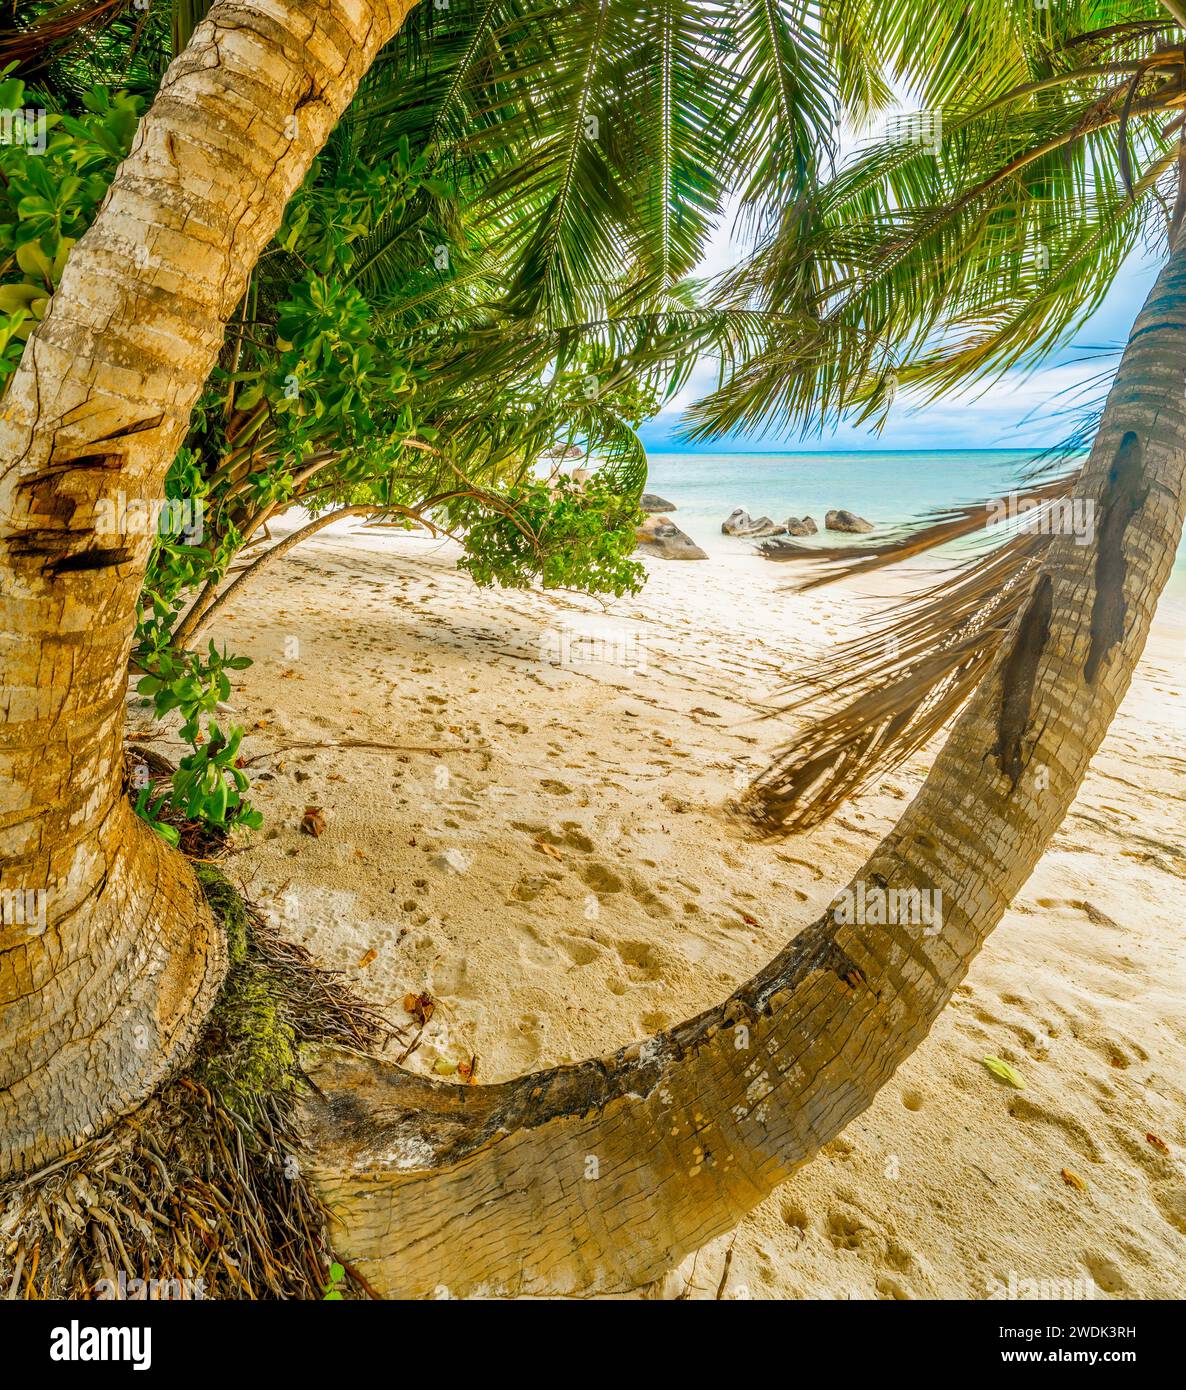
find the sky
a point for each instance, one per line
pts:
(1022, 410)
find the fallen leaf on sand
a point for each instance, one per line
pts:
(313, 821)
(751, 921)
(420, 1006)
(1073, 1180)
(1004, 1072)
(371, 955)
(1159, 1144)
(468, 1071)
(550, 850)
(443, 1067)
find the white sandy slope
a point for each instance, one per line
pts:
(563, 875)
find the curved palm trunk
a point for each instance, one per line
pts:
(108, 955)
(600, 1176)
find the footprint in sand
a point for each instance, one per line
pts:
(575, 838)
(601, 878)
(846, 1229)
(1171, 1203)
(796, 1218)
(1021, 1108)
(528, 887)
(1118, 1054)
(1106, 1272)
(639, 959)
(581, 950)
(888, 1288)
(524, 1047)
(533, 949)
(651, 903)
(450, 979)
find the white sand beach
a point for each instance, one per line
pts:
(551, 856)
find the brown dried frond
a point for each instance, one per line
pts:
(836, 562)
(883, 696)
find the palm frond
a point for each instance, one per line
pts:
(885, 695)
(830, 564)
(42, 34)
(936, 268)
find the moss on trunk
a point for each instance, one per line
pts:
(202, 1192)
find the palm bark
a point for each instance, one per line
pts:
(96, 1008)
(599, 1176)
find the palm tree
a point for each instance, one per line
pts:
(600, 1175)
(596, 1175)
(547, 287)
(99, 1006)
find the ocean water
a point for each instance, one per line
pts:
(887, 487)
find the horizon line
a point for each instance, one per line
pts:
(952, 449)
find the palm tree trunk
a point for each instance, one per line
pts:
(105, 979)
(599, 1176)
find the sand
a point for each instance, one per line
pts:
(561, 872)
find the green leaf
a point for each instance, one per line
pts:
(33, 261)
(250, 396)
(17, 297)
(1004, 1072)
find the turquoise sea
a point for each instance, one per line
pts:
(886, 487)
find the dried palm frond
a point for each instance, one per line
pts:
(884, 695)
(40, 37)
(834, 562)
